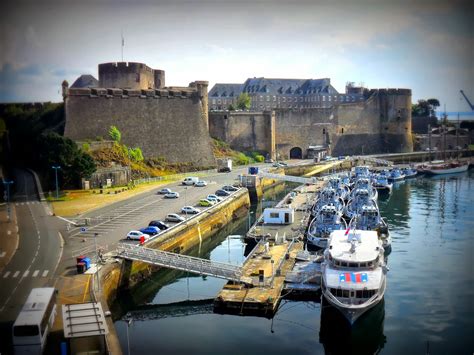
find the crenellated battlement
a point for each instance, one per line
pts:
(389, 91)
(173, 92)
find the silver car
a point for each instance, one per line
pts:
(173, 217)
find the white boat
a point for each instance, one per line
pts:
(328, 196)
(326, 221)
(396, 175)
(342, 189)
(353, 272)
(381, 183)
(361, 197)
(370, 219)
(445, 168)
(365, 184)
(409, 172)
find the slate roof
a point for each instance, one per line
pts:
(85, 81)
(274, 87)
(226, 90)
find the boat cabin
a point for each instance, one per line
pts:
(278, 215)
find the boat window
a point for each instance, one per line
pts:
(25, 331)
(370, 263)
(345, 293)
(339, 292)
(352, 264)
(359, 293)
(344, 263)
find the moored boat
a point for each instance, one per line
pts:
(445, 168)
(370, 219)
(326, 221)
(353, 272)
(381, 183)
(396, 175)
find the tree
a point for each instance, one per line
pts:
(434, 104)
(58, 150)
(115, 134)
(424, 108)
(244, 101)
(231, 107)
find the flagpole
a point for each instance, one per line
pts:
(123, 42)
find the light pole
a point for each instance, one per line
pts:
(96, 235)
(6, 196)
(129, 322)
(56, 168)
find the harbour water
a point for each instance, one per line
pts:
(428, 305)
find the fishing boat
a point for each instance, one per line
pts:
(445, 168)
(360, 198)
(370, 219)
(381, 183)
(353, 272)
(396, 175)
(326, 221)
(342, 189)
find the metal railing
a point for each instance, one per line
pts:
(180, 262)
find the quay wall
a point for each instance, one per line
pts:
(179, 240)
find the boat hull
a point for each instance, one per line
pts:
(458, 169)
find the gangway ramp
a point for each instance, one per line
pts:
(290, 178)
(179, 262)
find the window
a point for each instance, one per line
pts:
(274, 215)
(345, 293)
(274, 98)
(329, 98)
(25, 331)
(213, 101)
(324, 98)
(342, 130)
(324, 131)
(268, 98)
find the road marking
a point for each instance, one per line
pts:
(15, 275)
(5, 275)
(35, 273)
(45, 273)
(25, 274)
(2, 254)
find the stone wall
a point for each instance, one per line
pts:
(126, 75)
(163, 123)
(244, 131)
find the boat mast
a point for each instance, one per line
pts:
(429, 142)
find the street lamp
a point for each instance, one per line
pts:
(6, 196)
(56, 168)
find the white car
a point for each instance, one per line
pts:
(136, 235)
(201, 183)
(190, 210)
(214, 198)
(172, 195)
(173, 217)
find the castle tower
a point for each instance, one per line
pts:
(65, 87)
(201, 87)
(126, 75)
(159, 78)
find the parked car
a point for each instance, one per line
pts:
(278, 165)
(136, 235)
(282, 163)
(150, 230)
(173, 217)
(268, 160)
(190, 210)
(158, 224)
(201, 183)
(229, 188)
(206, 203)
(222, 193)
(164, 191)
(214, 198)
(172, 195)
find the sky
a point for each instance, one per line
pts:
(426, 46)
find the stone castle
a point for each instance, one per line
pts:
(289, 118)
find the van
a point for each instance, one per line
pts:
(190, 180)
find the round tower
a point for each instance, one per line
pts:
(126, 75)
(202, 87)
(159, 78)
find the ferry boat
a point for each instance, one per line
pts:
(396, 175)
(381, 183)
(353, 272)
(326, 221)
(360, 198)
(369, 219)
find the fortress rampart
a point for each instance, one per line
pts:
(380, 123)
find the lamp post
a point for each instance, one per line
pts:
(6, 196)
(56, 168)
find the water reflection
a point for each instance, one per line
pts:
(366, 336)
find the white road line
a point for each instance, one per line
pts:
(5, 275)
(45, 273)
(15, 275)
(35, 273)
(25, 274)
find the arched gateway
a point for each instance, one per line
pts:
(296, 153)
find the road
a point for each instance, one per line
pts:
(39, 250)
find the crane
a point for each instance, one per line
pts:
(468, 102)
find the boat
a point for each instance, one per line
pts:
(445, 168)
(396, 175)
(369, 219)
(361, 171)
(365, 184)
(381, 183)
(328, 196)
(342, 189)
(353, 272)
(327, 220)
(409, 172)
(359, 199)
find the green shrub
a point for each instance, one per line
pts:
(259, 158)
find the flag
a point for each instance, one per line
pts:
(347, 230)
